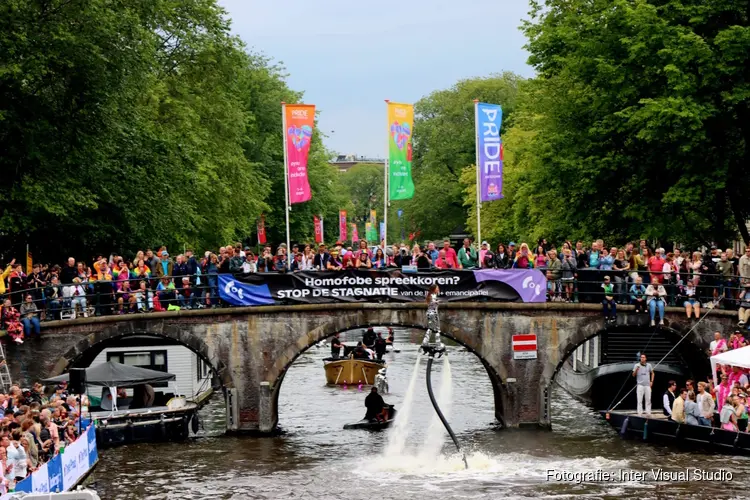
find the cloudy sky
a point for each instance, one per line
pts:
(349, 56)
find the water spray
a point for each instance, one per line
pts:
(432, 349)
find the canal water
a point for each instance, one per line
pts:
(315, 458)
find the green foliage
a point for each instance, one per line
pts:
(638, 124)
(444, 146)
(129, 124)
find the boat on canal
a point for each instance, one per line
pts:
(129, 410)
(351, 370)
(658, 429)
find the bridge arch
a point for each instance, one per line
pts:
(676, 332)
(398, 318)
(88, 347)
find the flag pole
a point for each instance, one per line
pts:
(385, 183)
(478, 166)
(287, 208)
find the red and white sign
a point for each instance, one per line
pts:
(524, 346)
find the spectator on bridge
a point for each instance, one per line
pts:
(78, 297)
(467, 256)
(264, 264)
(620, 266)
(364, 261)
(607, 260)
(743, 266)
(185, 294)
(501, 259)
(655, 265)
(725, 269)
(68, 272)
(554, 275)
(609, 306)
(54, 297)
(363, 248)
(450, 254)
(483, 251)
(511, 253)
(692, 304)
(279, 261)
(11, 321)
(432, 252)
(421, 260)
(644, 377)
(16, 284)
(442, 261)
(165, 294)
(334, 262)
(580, 254)
(638, 295)
(402, 258)
(320, 261)
(30, 317)
(144, 300)
(296, 264)
(126, 300)
(165, 267)
(523, 258)
(569, 266)
(656, 295)
(594, 256)
(540, 258)
(380, 261)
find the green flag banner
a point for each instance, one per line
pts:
(400, 125)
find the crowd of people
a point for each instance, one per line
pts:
(35, 425)
(710, 402)
(154, 281)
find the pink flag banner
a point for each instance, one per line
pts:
(298, 123)
(342, 226)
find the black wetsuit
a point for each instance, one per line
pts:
(374, 404)
(335, 348)
(368, 338)
(360, 353)
(380, 347)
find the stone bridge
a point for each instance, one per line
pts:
(251, 348)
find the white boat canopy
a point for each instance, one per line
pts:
(736, 357)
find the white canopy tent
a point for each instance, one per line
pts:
(736, 357)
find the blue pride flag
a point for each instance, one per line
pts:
(242, 294)
(489, 117)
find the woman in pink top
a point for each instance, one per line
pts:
(723, 391)
(540, 260)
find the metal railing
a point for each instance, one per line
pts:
(105, 297)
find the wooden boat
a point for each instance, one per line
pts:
(351, 371)
(371, 425)
(658, 429)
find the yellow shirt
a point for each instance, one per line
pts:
(2, 280)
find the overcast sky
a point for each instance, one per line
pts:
(349, 56)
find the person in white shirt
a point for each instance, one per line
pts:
(644, 377)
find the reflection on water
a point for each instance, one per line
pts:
(316, 458)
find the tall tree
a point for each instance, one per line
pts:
(641, 119)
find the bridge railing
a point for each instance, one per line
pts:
(105, 297)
